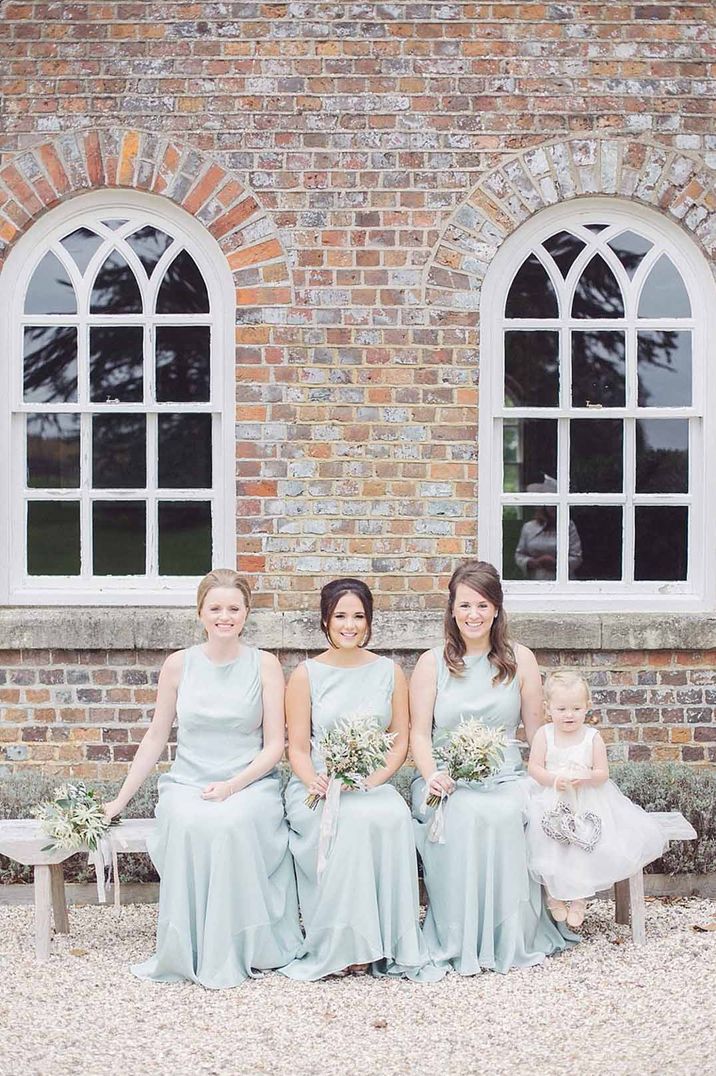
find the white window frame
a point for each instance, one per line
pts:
(16, 587)
(697, 592)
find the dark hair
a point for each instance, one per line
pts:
(482, 577)
(332, 593)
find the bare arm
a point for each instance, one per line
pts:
(298, 719)
(155, 738)
(400, 725)
(272, 695)
(423, 692)
(531, 698)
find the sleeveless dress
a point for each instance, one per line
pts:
(629, 837)
(484, 910)
(365, 908)
(227, 900)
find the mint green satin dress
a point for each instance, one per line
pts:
(227, 900)
(365, 908)
(485, 910)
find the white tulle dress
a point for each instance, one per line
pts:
(629, 837)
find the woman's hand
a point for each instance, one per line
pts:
(319, 786)
(217, 791)
(110, 810)
(441, 784)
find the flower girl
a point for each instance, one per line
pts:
(583, 834)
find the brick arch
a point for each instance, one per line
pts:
(41, 177)
(678, 184)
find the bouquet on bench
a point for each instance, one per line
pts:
(75, 821)
(353, 749)
(470, 752)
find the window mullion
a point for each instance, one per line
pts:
(628, 530)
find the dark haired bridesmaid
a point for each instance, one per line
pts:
(362, 913)
(484, 909)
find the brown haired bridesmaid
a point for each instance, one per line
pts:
(227, 900)
(484, 909)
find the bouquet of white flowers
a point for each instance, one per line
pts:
(352, 749)
(470, 752)
(75, 821)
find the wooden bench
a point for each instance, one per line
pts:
(23, 841)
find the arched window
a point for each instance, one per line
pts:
(594, 389)
(120, 383)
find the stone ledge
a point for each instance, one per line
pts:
(135, 628)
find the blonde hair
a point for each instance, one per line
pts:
(222, 577)
(565, 678)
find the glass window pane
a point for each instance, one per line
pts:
(183, 290)
(531, 369)
(50, 364)
(119, 537)
(82, 245)
(185, 451)
(598, 366)
(662, 456)
(597, 294)
(116, 363)
(114, 224)
(149, 244)
(50, 290)
(184, 537)
(53, 451)
(664, 294)
(119, 451)
(530, 456)
(565, 248)
(661, 542)
(182, 363)
(115, 288)
(664, 369)
(599, 529)
(630, 249)
(595, 455)
(531, 294)
(53, 538)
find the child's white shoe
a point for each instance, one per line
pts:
(575, 915)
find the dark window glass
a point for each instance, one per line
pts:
(661, 542)
(149, 244)
(596, 228)
(514, 517)
(530, 456)
(185, 451)
(119, 451)
(53, 538)
(53, 451)
(564, 248)
(597, 294)
(119, 537)
(531, 369)
(595, 455)
(50, 290)
(116, 363)
(630, 249)
(664, 368)
(50, 364)
(115, 288)
(662, 455)
(600, 534)
(183, 290)
(598, 367)
(531, 294)
(664, 294)
(114, 224)
(182, 363)
(82, 245)
(184, 537)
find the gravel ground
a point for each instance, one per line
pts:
(603, 1007)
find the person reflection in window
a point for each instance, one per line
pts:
(536, 553)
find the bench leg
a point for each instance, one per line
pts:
(638, 908)
(622, 902)
(59, 903)
(43, 911)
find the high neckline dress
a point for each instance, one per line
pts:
(365, 908)
(484, 911)
(227, 901)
